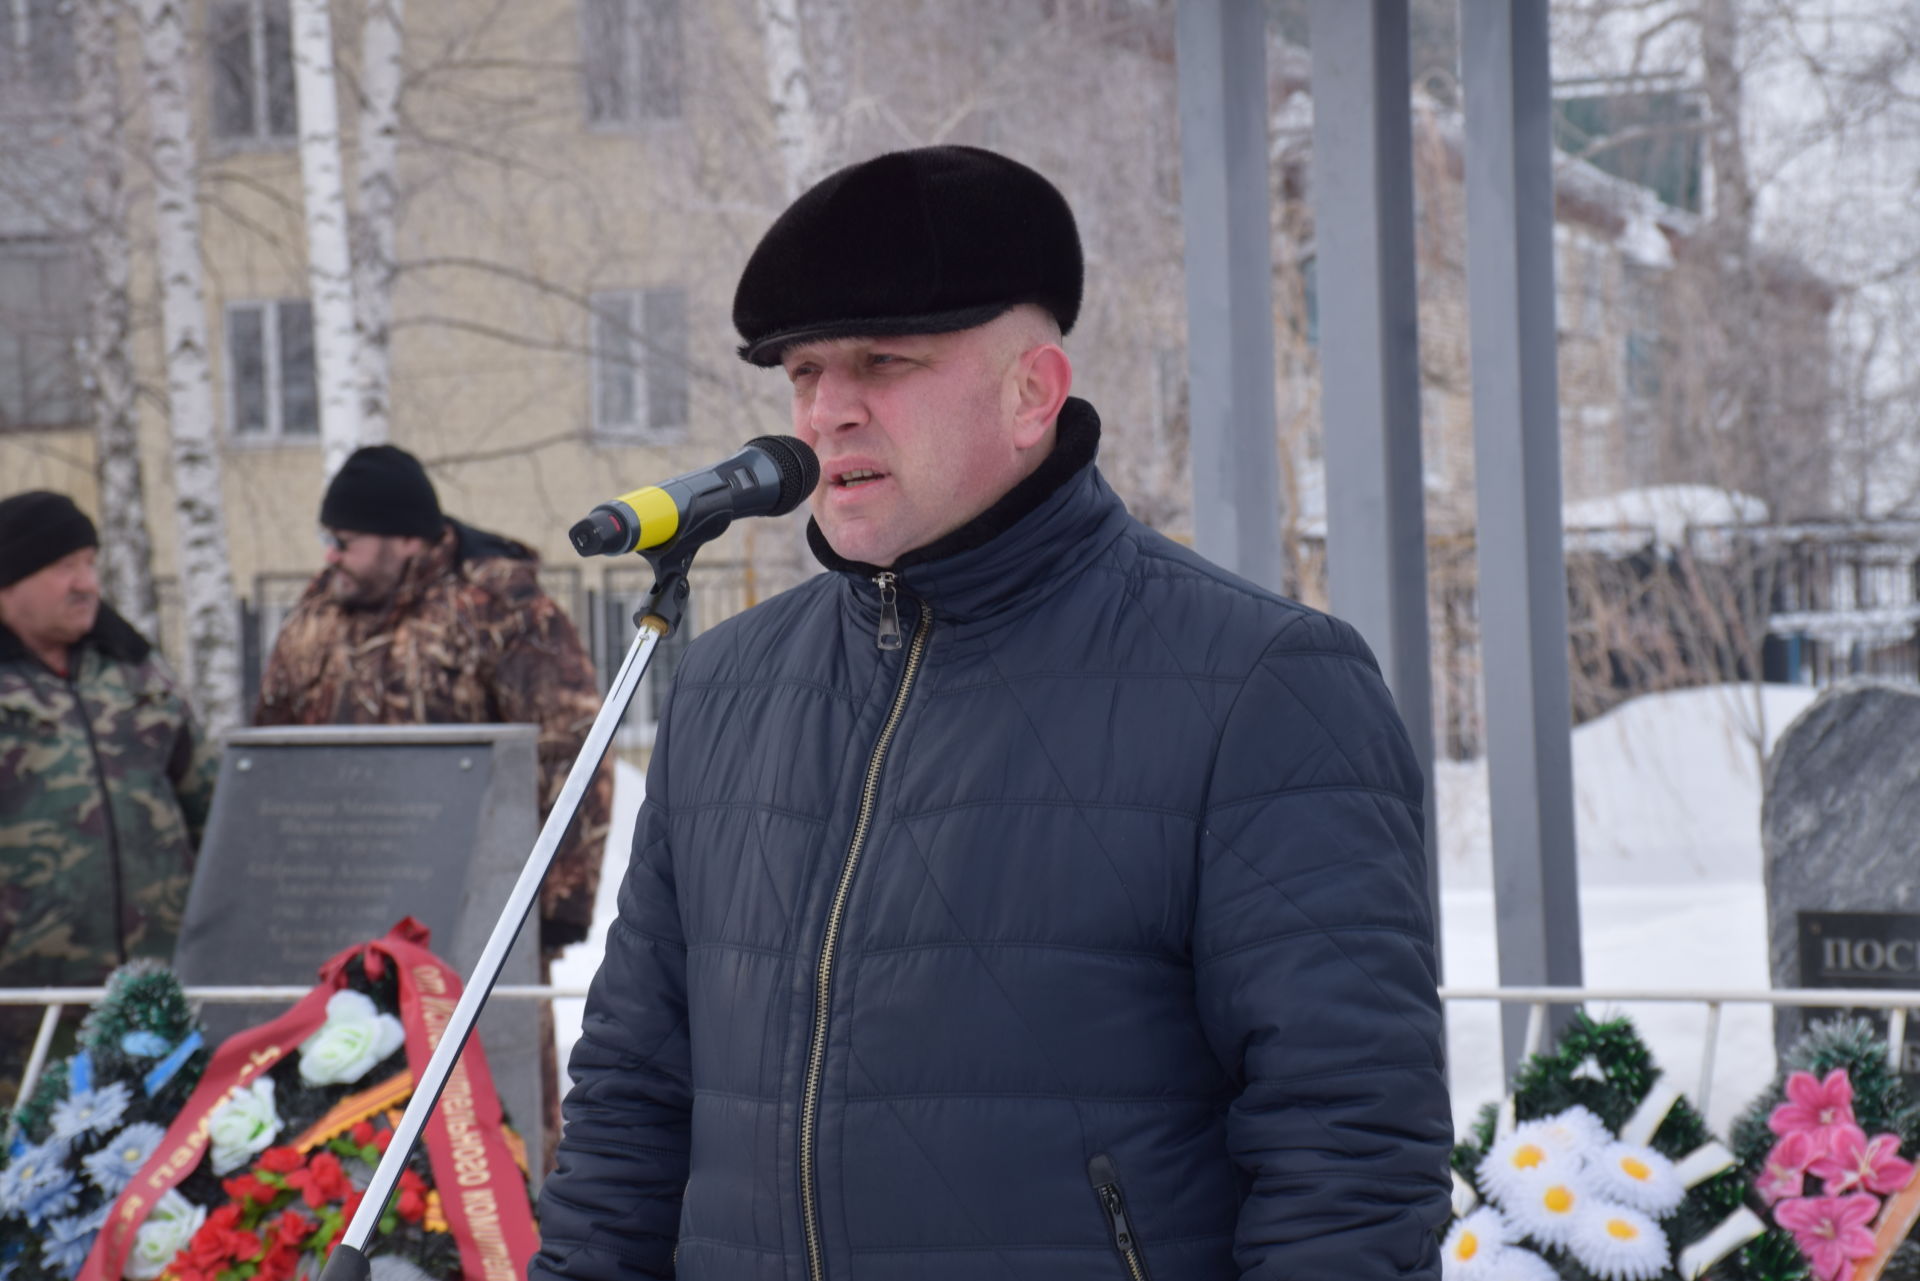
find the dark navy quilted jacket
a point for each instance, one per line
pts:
(1083, 936)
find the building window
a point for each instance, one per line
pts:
(251, 42)
(640, 364)
(631, 60)
(42, 309)
(270, 383)
(36, 51)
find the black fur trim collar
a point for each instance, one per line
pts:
(1077, 440)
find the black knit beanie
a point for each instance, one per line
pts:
(914, 242)
(382, 489)
(36, 529)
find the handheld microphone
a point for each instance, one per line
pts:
(770, 477)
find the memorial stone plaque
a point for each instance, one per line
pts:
(1840, 824)
(322, 837)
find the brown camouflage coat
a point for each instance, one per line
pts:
(468, 638)
(105, 780)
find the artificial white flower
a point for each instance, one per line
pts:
(245, 1124)
(1472, 1246)
(1518, 1163)
(1639, 1177)
(1575, 1131)
(1548, 1210)
(1513, 1264)
(355, 1036)
(1617, 1243)
(165, 1233)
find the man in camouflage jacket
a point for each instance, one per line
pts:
(418, 619)
(105, 778)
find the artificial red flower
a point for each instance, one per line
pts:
(280, 1160)
(412, 1202)
(1785, 1172)
(1830, 1231)
(1814, 1107)
(247, 1187)
(277, 1264)
(224, 1219)
(381, 1139)
(1855, 1163)
(211, 1247)
(362, 1133)
(322, 1181)
(291, 1228)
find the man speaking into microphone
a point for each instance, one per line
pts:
(1025, 897)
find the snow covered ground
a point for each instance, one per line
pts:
(1668, 813)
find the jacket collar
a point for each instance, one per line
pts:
(1047, 526)
(112, 635)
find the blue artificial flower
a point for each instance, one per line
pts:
(142, 1043)
(113, 1166)
(51, 1198)
(97, 1111)
(29, 1173)
(69, 1241)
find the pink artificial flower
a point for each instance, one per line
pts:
(1815, 1107)
(1854, 1164)
(1830, 1231)
(1786, 1167)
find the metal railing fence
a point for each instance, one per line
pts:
(1537, 999)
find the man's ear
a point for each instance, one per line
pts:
(1042, 378)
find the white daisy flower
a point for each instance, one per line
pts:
(1519, 1161)
(1618, 1243)
(1548, 1210)
(1520, 1265)
(1576, 1131)
(1639, 1177)
(1473, 1245)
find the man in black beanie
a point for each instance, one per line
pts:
(1024, 897)
(419, 619)
(105, 777)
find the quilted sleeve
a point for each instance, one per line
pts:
(611, 1208)
(1314, 960)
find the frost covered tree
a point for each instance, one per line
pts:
(329, 261)
(206, 577)
(126, 547)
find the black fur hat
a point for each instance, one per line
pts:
(912, 242)
(382, 489)
(36, 529)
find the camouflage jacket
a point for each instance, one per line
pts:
(468, 638)
(105, 780)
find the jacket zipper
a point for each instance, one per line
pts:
(1106, 1186)
(106, 809)
(823, 978)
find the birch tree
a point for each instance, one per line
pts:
(373, 225)
(329, 264)
(206, 578)
(126, 547)
(796, 130)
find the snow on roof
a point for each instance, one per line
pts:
(1667, 510)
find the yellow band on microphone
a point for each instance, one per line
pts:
(658, 514)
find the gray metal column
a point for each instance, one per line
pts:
(1370, 354)
(1226, 214)
(1523, 578)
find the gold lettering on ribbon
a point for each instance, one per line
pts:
(483, 1219)
(458, 1113)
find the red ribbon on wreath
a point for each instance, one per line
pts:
(481, 1189)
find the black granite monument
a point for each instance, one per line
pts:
(323, 837)
(1840, 823)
